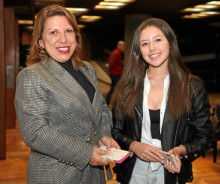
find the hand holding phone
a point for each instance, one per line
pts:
(170, 157)
(115, 155)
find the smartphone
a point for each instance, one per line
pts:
(169, 157)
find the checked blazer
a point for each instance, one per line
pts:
(60, 124)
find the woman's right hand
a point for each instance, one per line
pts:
(96, 159)
(146, 152)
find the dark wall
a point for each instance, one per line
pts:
(103, 38)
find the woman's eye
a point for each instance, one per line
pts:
(144, 44)
(158, 40)
(69, 30)
(53, 32)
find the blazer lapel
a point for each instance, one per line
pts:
(69, 82)
(97, 100)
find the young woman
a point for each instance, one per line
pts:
(158, 104)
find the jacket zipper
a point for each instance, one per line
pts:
(138, 112)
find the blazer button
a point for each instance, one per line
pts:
(95, 133)
(72, 164)
(88, 140)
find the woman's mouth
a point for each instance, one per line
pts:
(64, 50)
(153, 56)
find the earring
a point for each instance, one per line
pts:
(41, 50)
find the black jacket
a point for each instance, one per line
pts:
(196, 140)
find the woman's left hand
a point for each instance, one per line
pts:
(171, 168)
(109, 142)
(177, 151)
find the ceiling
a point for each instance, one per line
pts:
(166, 9)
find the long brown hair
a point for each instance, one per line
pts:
(35, 53)
(130, 86)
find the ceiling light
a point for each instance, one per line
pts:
(214, 2)
(206, 6)
(112, 4)
(81, 26)
(89, 18)
(202, 15)
(202, 9)
(187, 17)
(211, 13)
(25, 22)
(99, 7)
(28, 27)
(197, 15)
(122, 1)
(192, 10)
(77, 11)
(193, 16)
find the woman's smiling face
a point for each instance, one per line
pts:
(154, 46)
(58, 38)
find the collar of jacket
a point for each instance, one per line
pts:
(66, 79)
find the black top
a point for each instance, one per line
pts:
(155, 123)
(80, 78)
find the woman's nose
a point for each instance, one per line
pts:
(152, 46)
(63, 38)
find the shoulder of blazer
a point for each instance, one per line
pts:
(34, 68)
(85, 65)
(89, 68)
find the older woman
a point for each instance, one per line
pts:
(61, 112)
(158, 104)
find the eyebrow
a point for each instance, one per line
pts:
(153, 37)
(58, 29)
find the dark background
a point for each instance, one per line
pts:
(195, 37)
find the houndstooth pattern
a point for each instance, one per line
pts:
(59, 123)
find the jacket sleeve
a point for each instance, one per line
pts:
(200, 124)
(117, 132)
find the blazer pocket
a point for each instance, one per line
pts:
(67, 174)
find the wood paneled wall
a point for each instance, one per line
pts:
(10, 60)
(9, 68)
(2, 87)
(17, 49)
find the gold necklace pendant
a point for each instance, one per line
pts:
(152, 87)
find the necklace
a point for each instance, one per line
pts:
(156, 82)
(152, 86)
